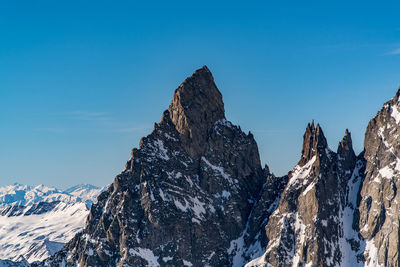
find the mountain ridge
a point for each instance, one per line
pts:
(41, 218)
(195, 194)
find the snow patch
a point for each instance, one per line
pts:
(161, 149)
(309, 187)
(218, 169)
(386, 172)
(167, 259)
(300, 173)
(187, 263)
(372, 252)
(145, 254)
(394, 112)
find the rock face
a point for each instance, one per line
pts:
(196, 106)
(379, 208)
(308, 227)
(338, 209)
(194, 194)
(185, 196)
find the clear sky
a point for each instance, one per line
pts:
(82, 81)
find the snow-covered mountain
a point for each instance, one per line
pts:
(19, 262)
(195, 194)
(36, 221)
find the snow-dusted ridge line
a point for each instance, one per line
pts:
(36, 221)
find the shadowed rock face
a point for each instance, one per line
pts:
(345, 150)
(185, 196)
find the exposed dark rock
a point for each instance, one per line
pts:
(196, 106)
(314, 143)
(194, 194)
(186, 194)
(379, 208)
(307, 226)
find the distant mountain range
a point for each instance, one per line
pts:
(36, 221)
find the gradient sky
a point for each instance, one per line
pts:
(82, 81)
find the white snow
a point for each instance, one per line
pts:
(197, 207)
(218, 169)
(372, 253)
(162, 195)
(386, 172)
(145, 254)
(162, 151)
(187, 263)
(349, 256)
(167, 259)
(300, 233)
(180, 206)
(18, 263)
(37, 236)
(300, 173)
(225, 194)
(309, 187)
(224, 122)
(170, 137)
(394, 112)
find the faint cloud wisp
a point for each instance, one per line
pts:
(50, 130)
(394, 52)
(89, 115)
(143, 128)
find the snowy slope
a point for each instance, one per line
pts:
(35, 222)
(19, 263)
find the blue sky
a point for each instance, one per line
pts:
(82, 81)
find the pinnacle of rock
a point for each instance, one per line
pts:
(314, 142)
(345, 151)
(345, 148)
(397, 95)
(197, 104)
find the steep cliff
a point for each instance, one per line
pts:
(185, 195)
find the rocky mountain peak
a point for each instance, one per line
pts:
(196, 105)
(345, 148)
(185, 196)
(397, 95)
(314, 142)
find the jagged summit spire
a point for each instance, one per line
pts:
(314, 142)
(397, 95)
(345, 148)
(346, 143)
(197, 104)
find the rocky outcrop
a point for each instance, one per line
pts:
(314, 143)
(379, 208)
(194, 194)
(186, 194)
(307, 228)
(196, 106)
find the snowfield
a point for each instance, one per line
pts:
(35, 222)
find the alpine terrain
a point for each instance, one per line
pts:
(35, 222)
(195, 194)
